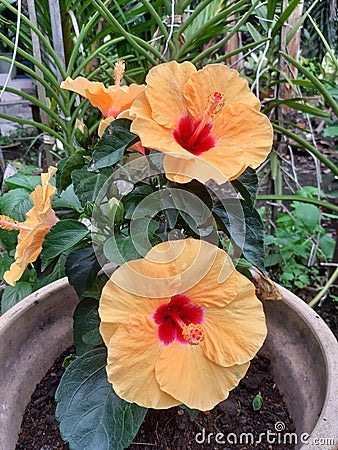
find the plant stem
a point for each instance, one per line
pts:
(298, 198)
(329, 283)
(303, 143)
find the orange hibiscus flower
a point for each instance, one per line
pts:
(111, 101)
(202, 120)
(180, 325)
(33, 230)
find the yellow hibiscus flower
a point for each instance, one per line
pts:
(201, 116)
(33, 230)
(111, 101)
(181, 326)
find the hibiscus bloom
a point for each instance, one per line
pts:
(201, 116)
(33, 230)
(180, 325)
(111, 101)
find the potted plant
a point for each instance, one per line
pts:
(166, 196)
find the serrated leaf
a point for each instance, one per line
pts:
(86, 326)
(15, 204)
(111, 147)
(81, 268)
(64, 235)
(5, 263)
(8, 239)
(91, 415)
(87, 185)
(13, 294)
(28, 182)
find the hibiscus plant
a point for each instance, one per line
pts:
(155, 227)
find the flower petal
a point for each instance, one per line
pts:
(217, 78)
(152, 134)
(164, 91)
(27, 250)
(39, 220)
(132, 353)
(184, 372)
(219, 286)
(235, 333)
(241, 127)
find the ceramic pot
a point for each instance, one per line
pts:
(303, 351)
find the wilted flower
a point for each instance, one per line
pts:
(111, 101)
(181, 326)
(33, 230)
(208, 115)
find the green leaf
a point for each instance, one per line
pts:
(111, 147)
(28, 182)
(9, 239)
(87, 185)
(81, 268)
(247, 185)
(72, 163)
(64, 235)
(5, 263)
(257, 402)
(192, 413)
(307, 214)
(327, 244)
(13, 294)
(91, 415)
(15, 204)
(231, 219)
(57, 273)
(86, 326)
(331, 131)
(120, 248)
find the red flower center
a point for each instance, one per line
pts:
(195, 135)
(179, 319)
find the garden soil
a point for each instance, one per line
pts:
(232, 420)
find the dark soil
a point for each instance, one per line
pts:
(172, 429)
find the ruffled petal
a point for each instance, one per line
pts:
(244, 128)
(152, 134)
(201, 267)
(219, 286)
(132, 354)
(184, 372)
(235, 333)
(118, 304)
(28, 249)
(164, 92)
(104, 124)
(217, 78)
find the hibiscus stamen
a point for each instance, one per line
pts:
(119, 68)
(6, 223)
(193, 333)
(214, 106)
(177, 320)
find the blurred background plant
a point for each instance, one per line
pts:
(286, 50)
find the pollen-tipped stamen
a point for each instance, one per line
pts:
(214, 106)
(6, 223)
(119, 68)
(193, 333)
